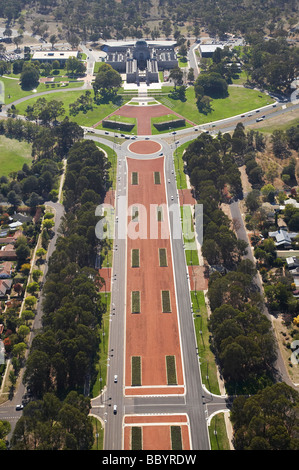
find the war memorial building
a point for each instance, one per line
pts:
(141, 61)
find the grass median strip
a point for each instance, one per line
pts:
(176, 437)
(166, 306)
(135, 301)
(136, 438)
(135, 258)
(171, 370)
(163, 257)
(136, 371)
(134, 178)
(157, 177)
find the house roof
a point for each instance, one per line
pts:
(5, 285)
(283, 237)
(292, 201)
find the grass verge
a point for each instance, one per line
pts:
(206, 357)
(101, 367)
(218, 434)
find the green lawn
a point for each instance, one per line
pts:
(112, 158)
(13, 155)
(183, 62)
(189, 238)
(14, 92)
(240, 100)
(97, 66)
(218, 434)
(93, 116)
(242, 78)
(179, 166)
(124, 119)
(98, 431)
(165, 118)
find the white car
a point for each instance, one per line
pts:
(115, 409)
(19, 407)
(115, 379)
(172, 198)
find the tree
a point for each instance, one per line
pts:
(176, 74)
(22, 252)
(253, 200)
(14, 199)
(191, 75)
(53, 40)
(279, 144)
(29, 77)
(213, 85)
(266, 420)
(107, 81)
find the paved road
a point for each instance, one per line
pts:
(281, 370)
(8, 410)
(196, 402)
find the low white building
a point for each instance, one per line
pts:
(50, 56)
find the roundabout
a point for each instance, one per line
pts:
(145, 147)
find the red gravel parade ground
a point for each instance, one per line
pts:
(151, 334)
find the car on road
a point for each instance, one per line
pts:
(242, 115)
(19, 407)
(115, 379)
(263, 117)
(196, 129)
(172, 198)
(274, 106)
(114, 409)
(106, 133)
(259, 119)
(168, 180)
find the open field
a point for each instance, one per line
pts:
(13, 155)
(240, 100)
(14, 92)
(90, 118)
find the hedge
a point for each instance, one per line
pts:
(163, 126)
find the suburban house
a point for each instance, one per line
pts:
(8, 252)
(283, 238)
(5, 270)
(293, 202)
(292, 262)
(5, 286)
(10, 240)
